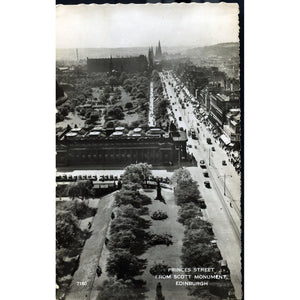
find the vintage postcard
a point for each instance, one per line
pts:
(149, 152)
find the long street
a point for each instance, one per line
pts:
(151, 119)
(225, 219)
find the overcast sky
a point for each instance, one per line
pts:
(135, 25)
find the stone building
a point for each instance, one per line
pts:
(119, 64)
(88, 148)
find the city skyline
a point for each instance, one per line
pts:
(175, 25)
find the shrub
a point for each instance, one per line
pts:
(160, 269)
(81, 210)
(159, 215)
(129, 105)
(124, 265)
(160, 239)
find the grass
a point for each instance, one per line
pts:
(168, 255)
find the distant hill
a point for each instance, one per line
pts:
(225, 50)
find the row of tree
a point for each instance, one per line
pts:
(197, 249)
(161, 104)
(128, 237)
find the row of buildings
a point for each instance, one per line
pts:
(219, 100)
(129, 64)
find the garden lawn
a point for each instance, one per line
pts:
(71, 119)
(169, 255)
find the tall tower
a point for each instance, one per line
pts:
(159, 50)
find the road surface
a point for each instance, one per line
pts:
(225, 219)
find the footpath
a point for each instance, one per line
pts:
(83, 278)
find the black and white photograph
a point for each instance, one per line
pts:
(149, 152)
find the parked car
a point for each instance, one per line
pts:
(202, 204)
(180, 119)
(207, 184)
(195, 146)
(101, 178)
(224, 267)
(205, 174)
(214, 243)
(208, 140)
(202, 162)
(213, 149)
(203, 166)
(224, 163)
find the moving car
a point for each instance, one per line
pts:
(207, 184)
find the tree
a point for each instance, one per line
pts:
(199, 255)
(129, 105)
(120, 290)
(123, 77)
(82, 210)
(113, 81)
(188, 212)
(68, 233)
(124, 265)
(181, 174)
(195, 237)
(162, 106)
(187, 191)
(125, 239)
(94, 116)
(173, 127)
(110, 124)
(81, 189)
(116, 112)
(137, 173)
